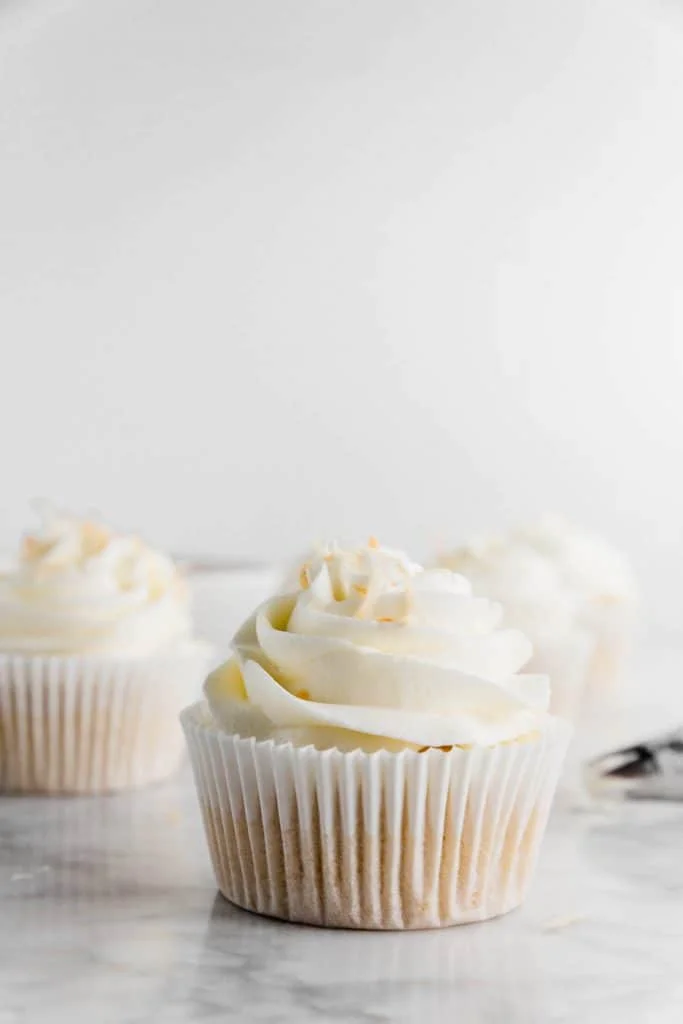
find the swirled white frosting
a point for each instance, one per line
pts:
(529, 585)
(586, 563)
(374, 651)
(78, 589)
(549, 577)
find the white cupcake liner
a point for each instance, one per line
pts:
(93, 724)
(356, 840)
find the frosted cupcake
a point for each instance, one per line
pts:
(537, 601)
(371, 756)
(604, 585)
(96, 660)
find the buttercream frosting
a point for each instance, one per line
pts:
(587, 564)
(78, 588)
(372, 650)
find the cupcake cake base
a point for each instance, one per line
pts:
(374, 841)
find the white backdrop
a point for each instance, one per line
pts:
(291, 268)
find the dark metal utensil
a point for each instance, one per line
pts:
(650, 770)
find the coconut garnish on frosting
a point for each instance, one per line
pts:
(353, 568)
(383, 649)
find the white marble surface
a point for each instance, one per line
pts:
(109, 915)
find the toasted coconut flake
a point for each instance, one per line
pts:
(32, 548)
(373, 542)
(304, 579)
(95, 537)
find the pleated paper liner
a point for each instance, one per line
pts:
(377, 841)
(93, 724)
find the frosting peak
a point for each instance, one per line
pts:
(373, 646)
(79, 588)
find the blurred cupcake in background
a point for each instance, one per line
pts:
(97, 656)
(571, 593)
(534, 600)
(605, 586)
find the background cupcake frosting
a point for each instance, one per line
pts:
(78, 587)
(574, 595)
(527, 583)
(586, 564)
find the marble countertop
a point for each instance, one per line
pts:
(109, 914)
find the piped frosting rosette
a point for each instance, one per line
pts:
(79, 588)
(375, 646)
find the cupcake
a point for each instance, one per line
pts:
(570, 592)
(371, 756)
(96, 660)
(604, 584)
(536, 600)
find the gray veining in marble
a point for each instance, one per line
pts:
(109, 912)
(109, 915)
